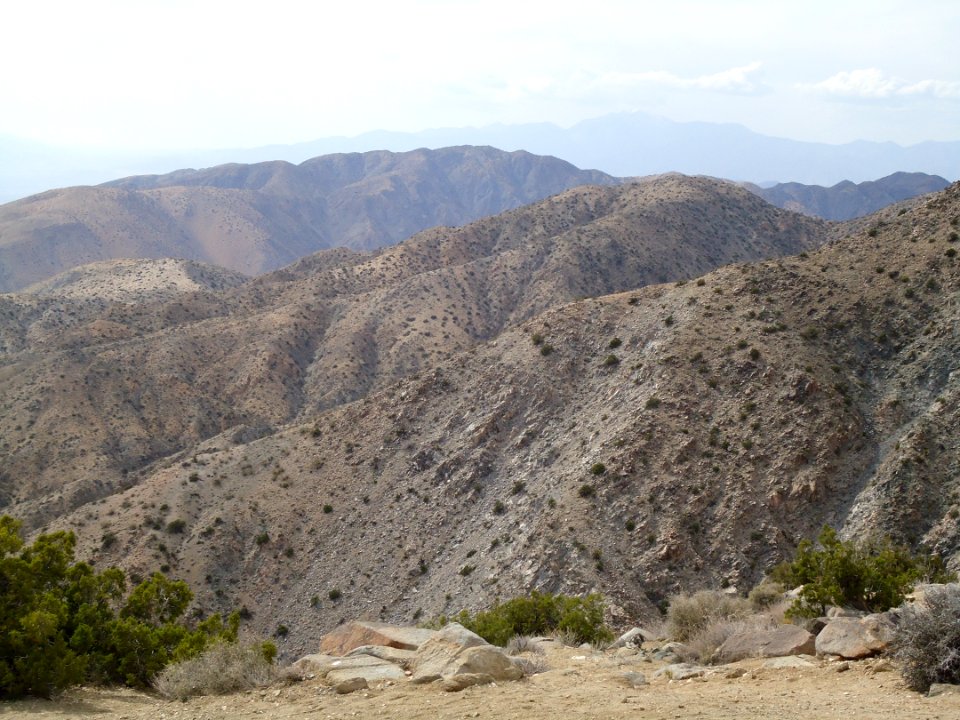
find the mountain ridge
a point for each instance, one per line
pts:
(256, 218)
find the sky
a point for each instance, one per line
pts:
(169, 74)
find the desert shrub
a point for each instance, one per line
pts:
(927, 641)
(765, 594)
(220, 669)
(689, 615)
(598, 468)
(62, 622)
(702, 646)
(523, 644)
(871, 576)
(541, 614)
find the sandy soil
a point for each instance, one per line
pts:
(577, 686)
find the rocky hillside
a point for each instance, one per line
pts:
(255, 218)
(846, 200)
(675, 436)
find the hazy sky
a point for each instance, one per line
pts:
(164, 74)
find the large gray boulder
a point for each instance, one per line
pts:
(780, 641)
(454, 650)
(855, 638)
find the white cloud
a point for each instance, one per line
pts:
(873, 84)
(736, 80)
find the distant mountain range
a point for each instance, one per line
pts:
(626, 144)
(255, 218)
(846, 200)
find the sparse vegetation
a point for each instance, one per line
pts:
(927, 641)
(690, 615)
(870, 576)
(222, 668)
(540, 614)
(587, 491)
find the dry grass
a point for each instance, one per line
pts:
(221, 669)
(691, 615)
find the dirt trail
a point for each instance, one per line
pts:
(578, 686)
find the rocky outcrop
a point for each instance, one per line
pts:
(359, 633)
(780, 641)
(454, 650)
(856, 638)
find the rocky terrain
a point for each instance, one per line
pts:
(255, 218)
(576, 683)
(430, 427)
(846, 200)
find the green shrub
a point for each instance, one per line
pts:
(176, 526)
(540, 614)
(871, 576)
(587, 491)
(62, 623)
(598, 468)
(927, 641)
(615, 343)
(610, 360)
(690, 615)
(546, 349)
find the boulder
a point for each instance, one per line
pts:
(362, 632)
(780, 641)
(394, 655)
(351, 685)
(460, 682)
(680, 671)
(633, 638)
(367, 667)
(634, 679)
(855, 638)
(454, 650)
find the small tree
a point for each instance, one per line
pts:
(871, 576)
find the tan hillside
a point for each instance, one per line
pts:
(736, 415)
(94, 393)
(255, 218)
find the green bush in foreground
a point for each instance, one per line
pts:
(540, 614)
(63, 623)
(872, 576)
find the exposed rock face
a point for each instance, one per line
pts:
(781, 641)
(359, 633)
(454, 650)
(856, 638)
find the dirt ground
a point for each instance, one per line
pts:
(578, 685)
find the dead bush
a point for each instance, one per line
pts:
(523, 644)
(222, 668)
(927, 642)
(765, 594)
(689, 615)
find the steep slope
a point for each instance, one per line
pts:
(845, 200)
(95, 392)
(676, 436)
(255, 218)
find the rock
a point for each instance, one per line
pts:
(351, 685)
(362, 632)
(454, 650)
(680, 671)
(390, 654)
(779, 642)
(634, 679)
(633, 638)
(855, 638)
(465, 680)
(369, 668)
(317, 665)
(734, 673)
(668, 652)
(838, 612)
(791, 661)
(815, 625)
